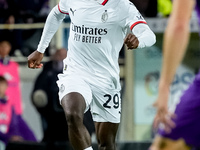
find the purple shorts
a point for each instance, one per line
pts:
(188, 116)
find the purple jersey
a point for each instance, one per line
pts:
(198, 10)
(188, 116)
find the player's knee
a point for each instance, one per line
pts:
(161, 143)
(106, 144)
(73, 118)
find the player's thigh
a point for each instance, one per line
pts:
(73, 103)
(106, 132)
(161, 143)
(74, 94)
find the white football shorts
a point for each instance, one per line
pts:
(104, 103)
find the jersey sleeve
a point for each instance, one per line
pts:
(133, 17)
(63, 6)
(52, 24)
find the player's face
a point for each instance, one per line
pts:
(4, 49)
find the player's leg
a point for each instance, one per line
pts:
(161, 143)
(74, 106)
(75, 97)
(106, 134)
(106, 113)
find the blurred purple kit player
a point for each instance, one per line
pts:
(188, 111)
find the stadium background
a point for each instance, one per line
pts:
(140, 71)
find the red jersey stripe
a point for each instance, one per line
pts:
(133, 25)
(61, 10)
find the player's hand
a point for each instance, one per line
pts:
(131, 41)
(34, 60)
(163, 115)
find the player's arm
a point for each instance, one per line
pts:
(141, 35)
(52, 24)
(176, 39)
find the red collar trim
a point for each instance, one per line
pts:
(104, 2)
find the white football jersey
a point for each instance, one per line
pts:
(97, 33)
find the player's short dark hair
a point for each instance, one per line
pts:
(2, 79)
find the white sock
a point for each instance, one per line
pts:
(89, 148)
